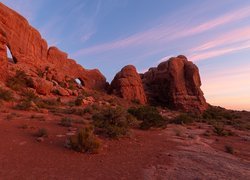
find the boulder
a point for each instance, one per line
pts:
(175, 84)
(128, 85)
(44, 87)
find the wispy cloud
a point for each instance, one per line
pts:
(218, 52)
(166, 33)
(238, 35)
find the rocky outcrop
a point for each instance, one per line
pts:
(44, 87)
(175, 84)
(30, 49)
(128, 85)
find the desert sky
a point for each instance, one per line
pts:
(109, 34)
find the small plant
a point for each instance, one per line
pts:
(177, 132)
(42, 132)
(24, 126)
(229, 149)
(24, 105)
(20, 81)
(66, 122)
(136, 101)
(78, 101)
(149, 116)
(5, 95)
(112, 122)
(183, 119)
(84, 141)
(219, 129)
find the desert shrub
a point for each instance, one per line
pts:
(24, 105)
(183, 119)
(219, 129)
(30, 95)
(136, 101)
(40, 73)
(6, 95)
(229, 149)
(42, 132)
(24, 126)
(20, 81)
(75, 111)
(112, 122)
(84, 141)
(218, 113)
(149, 116)
(66, 122)
(78, 101)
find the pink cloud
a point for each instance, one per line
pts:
(238, 35)
(165, 33)
(219, 52)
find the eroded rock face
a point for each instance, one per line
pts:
(30, 49)
(128, 85)
(175, 84)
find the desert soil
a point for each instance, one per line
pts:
(177, 152)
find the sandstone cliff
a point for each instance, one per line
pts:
(31, 51)
(175, 84)
(128, 85)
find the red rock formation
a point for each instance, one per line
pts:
(128, 85)
(176, 84)
(29, 49)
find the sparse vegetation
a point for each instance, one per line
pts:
(113, 122)
(78, 101)
(218, 113)
(229, 149)
(184, 119)
(20, 81)
(24, 105)
(42, 132)
(85, 141)
(219, 129)
(6, 95)
(149, 116)
(66, 122)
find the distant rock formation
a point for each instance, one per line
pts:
(175, 84)
(128, 85)
(29, 50)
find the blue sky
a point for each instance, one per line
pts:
(109, 34)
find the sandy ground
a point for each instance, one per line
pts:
(177, 152)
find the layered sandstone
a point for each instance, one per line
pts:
(29, 49)
(175, 84)
(128, 85)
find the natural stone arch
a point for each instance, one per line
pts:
(79, 81)
(10, 56)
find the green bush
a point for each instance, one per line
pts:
(183, 119)
(84, 141)
(112, 122)
(149, 116)
(6, 95)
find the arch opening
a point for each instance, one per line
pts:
(10, 57)
(80, 82)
